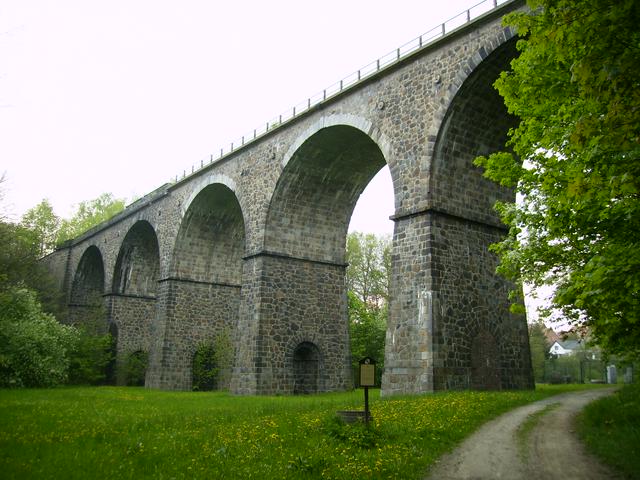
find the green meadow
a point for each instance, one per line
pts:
(112, 432)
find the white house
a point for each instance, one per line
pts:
(568, 347)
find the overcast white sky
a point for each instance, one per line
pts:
(122, 95)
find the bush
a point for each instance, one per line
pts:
(34, 347)
(91, 358)
(212, 363)
(135, 368)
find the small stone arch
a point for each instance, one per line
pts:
(307, 368)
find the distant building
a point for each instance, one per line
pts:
(568, 347)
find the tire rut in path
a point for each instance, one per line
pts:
(551, 450)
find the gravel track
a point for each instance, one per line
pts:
(547, 451)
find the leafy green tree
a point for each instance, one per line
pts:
(43, 224)
(34, 347)
(369, 259)
(575, 160)
(539, 349)
(89, 214)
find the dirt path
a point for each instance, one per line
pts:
(549, 450)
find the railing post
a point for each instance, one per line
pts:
(211, 158)
(242, 139)
(468, 16)
(324, 94)
(443, 30)
(308, 103)
(377, 64)
(420, 41)
(398, 54)
(254, 133)
(358, 75)
(340, 85)
(294, 111)
(232, 146)
(221, 152)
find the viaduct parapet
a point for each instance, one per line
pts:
(253, 244)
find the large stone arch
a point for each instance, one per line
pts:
(200, 298)
(300, 290)
(462, 305)
(86, 300)
(133, 299)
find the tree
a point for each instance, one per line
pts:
(43, 224)
(369, 259)
(539, 347)
(89, 214)
(575, 160)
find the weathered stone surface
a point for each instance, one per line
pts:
(254, 242)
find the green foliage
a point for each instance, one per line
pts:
(34, 347)
(575, 88)
(90, 359)
(609, 427)
(143, 433)
(369, 259)
(539, 349)
(43, 224)
(368, 274)
(212, 363)
(135, 368)
(367, 330)
(89, 214)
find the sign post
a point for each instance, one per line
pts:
(367, 379)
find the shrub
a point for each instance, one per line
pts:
(34, 347)
(212, 362)
(135, 368)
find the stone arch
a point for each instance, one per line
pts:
(133, 298)
(204, 182)
(324, 173)
(200, 298)
(475, 122)
(211, 239)
(507, 35)
(87, 290)
(306, 364)
(302, 283)
(137, 267)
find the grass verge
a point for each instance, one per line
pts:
(610, 427)
(131, 432)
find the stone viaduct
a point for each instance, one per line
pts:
(254, 242)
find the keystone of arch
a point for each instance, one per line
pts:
(204, 182)
(355, 121)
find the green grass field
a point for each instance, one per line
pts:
(111, 432)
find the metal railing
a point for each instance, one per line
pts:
(353, 79)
